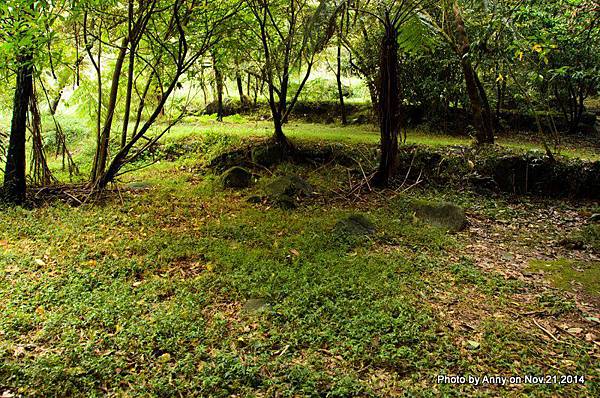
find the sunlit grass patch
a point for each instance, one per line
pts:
(567, 274)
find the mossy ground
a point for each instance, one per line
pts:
(144, 294)
(567, 274)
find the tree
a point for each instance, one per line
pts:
(291, 33)
(447, 20)
(177, 35)
(136, 21)
(22, 27)
(391, 16)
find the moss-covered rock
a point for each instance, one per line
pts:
(355, 225)
(284, 202)
(284, 191)
(236, 177)
(442, 215)
(291, 185)
(267, 155)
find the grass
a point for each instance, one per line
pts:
(564, 273)
(144, 296)
(354, 134)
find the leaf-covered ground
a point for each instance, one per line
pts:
(155, 293)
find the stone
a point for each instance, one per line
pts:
(230, 107)
(595, 218)
(285, 202)
(139, 186)
(267, 155)
(444, 215)
(507, 256)
(571, 243)
(291, 185)
(284, 191)
(236, 177)
(355, 225)
(255, 199)
(255, 305)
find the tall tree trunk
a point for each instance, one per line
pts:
(14, 172)
(101, 157)
(40, 173)
(279, 136)
(203, 87)
(240, 86)
(56, 102)
(121, 157)
(219, 86)
(480, 107)
(389, 105)
(128, 94)
(338, 77)
(248, 84)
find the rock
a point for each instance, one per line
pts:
(572, 244)
(255, 305)
(483, 182)
(284, 191)
(267, 155)
(290, 185)
(230, 107)
(443, 215)
(139, 186)
(595, 218)
(255, 199)
(507, 256)
(236, 177)
(355, 225)
(285, 202)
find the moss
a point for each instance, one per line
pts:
(564, 273)
(591, 236)
(443, 215)
(236, 177)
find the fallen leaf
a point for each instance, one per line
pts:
(473, 345)
(165, 358)
(589, 337)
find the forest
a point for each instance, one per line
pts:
(299, 198)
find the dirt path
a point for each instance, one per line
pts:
(529, 231)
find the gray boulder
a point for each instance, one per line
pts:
(444, 215)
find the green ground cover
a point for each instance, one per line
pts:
(154, 292)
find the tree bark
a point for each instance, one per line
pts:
(338, 77)
(240, 86)
(219, 84)
(480, 107)
(128, 94)
(101, 156)
(389, 105)
(14, 173)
